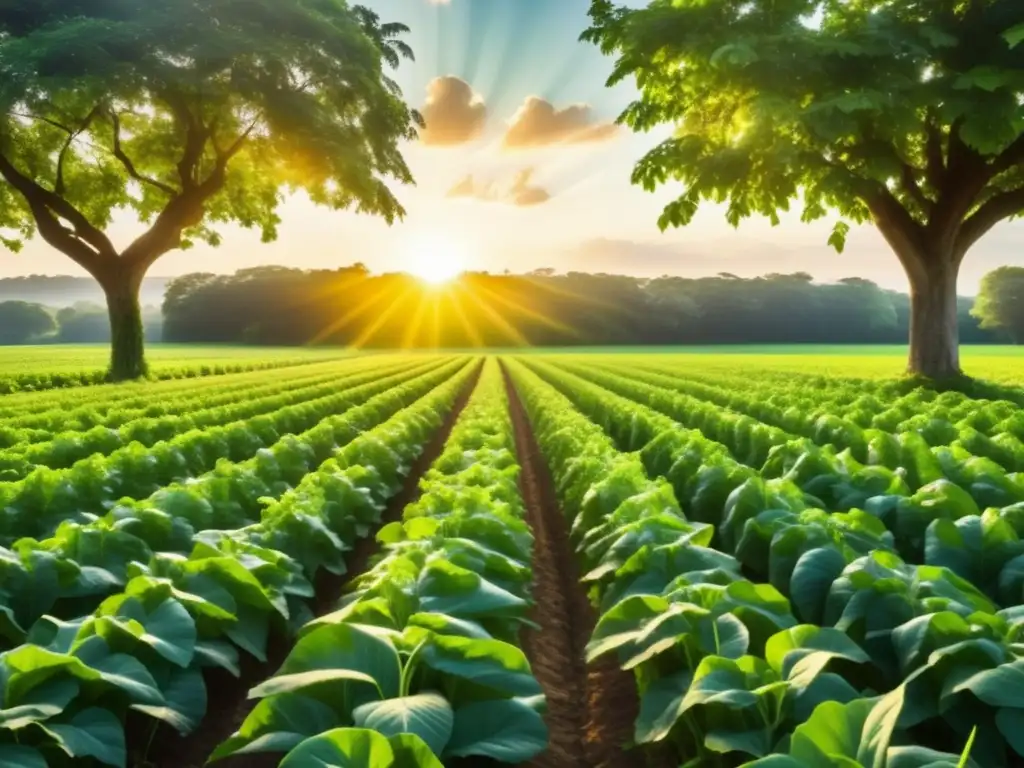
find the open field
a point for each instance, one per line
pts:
(31, 368)
(42, 367)
(543, 559)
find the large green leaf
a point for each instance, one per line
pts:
(184, 703)
(508, 730)
(800, 653)
(812, 578)
(1002, 686)
(16, 756)
(122, 671)
(93, 733)
(345, 651)
(859, 731)
(41, 703)
(1010, 722)
(169, 629)
(490, 663)
(279, 724)
(428, 715)
(342, 748)
(294, 683)
(660, 705)
(446, 588)
(411, 752)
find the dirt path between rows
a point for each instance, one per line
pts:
(591, 709)
(228, 703)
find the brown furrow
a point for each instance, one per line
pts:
(228, 704)
(591, 709)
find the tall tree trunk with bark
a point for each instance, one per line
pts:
(127, 338)
(934, 322)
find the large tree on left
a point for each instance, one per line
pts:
(191, 114)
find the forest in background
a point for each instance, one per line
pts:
(281, 306)
(285, 306)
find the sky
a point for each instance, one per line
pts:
(522, 167)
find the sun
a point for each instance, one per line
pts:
(435, 259)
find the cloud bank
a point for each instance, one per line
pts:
(453, 113)
(539, 123)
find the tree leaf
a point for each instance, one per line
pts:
(1014, 36)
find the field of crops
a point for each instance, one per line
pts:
(552, 561)
(33, 368)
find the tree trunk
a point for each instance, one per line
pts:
(934, 325)
(127, 350)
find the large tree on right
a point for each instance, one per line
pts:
(905, 113)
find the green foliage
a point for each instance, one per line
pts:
(21, 322)
(121, 104)
(1000, 304)
(855, 108)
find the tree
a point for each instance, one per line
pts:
(191, 114)
(1000, 304)
(905, 113)
(21, 322)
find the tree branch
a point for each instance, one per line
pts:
(184, 211)
(129, 166)
(196, 136)
(40, 118)
(58, 184)
(965, 178)
(904, 235)
(47, 206)
(224, 156)
(995, 209)
(1012, 156)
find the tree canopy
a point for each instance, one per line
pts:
(22, 322)
(1000, 305)
(191, 113)
(905, 113)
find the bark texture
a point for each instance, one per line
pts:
(127, 339)
(934, 331)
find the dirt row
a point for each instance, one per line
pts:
(591, 708)
(228, 704)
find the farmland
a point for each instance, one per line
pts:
(304, 558)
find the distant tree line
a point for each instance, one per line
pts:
(23, 322)
(278, 305)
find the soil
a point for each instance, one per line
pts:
(591, 708)
(228, 704)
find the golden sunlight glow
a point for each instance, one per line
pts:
(435, 259)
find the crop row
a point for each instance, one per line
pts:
(421, 664)
(35, 382)
(35, 421)
(46, 497)
(63, 450)
(145, 647)
(898, 465)
(796, 405)
(730, 669)
(84, 561)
